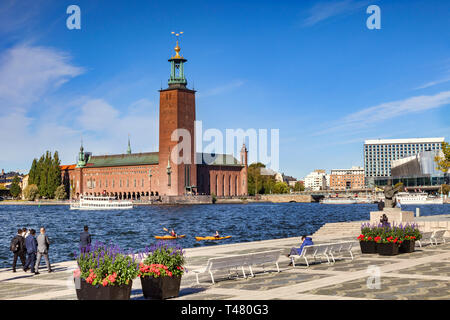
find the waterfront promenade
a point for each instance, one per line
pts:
(424, 274)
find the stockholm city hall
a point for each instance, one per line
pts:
(140, 175)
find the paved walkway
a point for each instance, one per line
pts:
(424, 274)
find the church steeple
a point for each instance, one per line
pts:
(177, 78)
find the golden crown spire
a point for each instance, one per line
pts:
(177, 47)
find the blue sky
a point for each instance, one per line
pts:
(311, 69)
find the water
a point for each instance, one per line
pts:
(136, 228)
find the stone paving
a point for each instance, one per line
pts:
(424, 274)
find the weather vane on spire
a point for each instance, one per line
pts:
(177, 48)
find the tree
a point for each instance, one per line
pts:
(443, 163)
(258, 183)
(299, 186)
(60, 192)
(32, 175)
(15, 189)
(31, 192)
(281, 187)
(54, 175)
(45, 173)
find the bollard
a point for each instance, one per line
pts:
(417, 212)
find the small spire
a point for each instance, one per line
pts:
(129, 145)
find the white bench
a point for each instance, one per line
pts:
(261, 258)
(438, 235)
(340, 248)
(426, 236)
(239, 261)
(327, 250)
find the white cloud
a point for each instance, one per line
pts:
(27, 73)
(387, 111)
(221, 89)
(325, 10)
(434, 83)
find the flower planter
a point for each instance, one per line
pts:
(99, 292)
(161, 287)
(387, 249)
(407, 246)
(368, 246)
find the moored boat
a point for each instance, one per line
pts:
(100, 203)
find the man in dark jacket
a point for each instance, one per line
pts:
(17, 247)
(31, 244)
(85, 240)
(380, 205)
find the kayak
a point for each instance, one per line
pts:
(211, 238)
(169, 237)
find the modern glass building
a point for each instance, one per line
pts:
(379, 154)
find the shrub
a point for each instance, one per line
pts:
(162, 260)
(106, 265)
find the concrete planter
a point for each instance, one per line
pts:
(161, 287)
(99, 292)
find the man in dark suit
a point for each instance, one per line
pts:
(31, 245)
(17, 247)
(85, 240)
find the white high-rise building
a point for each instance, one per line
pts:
(316, 180)
(379, 154)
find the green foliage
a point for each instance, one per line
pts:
(443, 163)
(46, 174)
(281, 187)
(31, 192)
(257, 183)
(386, 234)
(60, 193)
(163, 260)
(299, 187)
(213, 198)
(445, 189)
(106, 265)
(15, 189)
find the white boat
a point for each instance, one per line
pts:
(418, 198)
(100, 203)
(338, 201)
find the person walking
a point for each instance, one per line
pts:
(17, 248)
(31, 245)
(85, 240)
(42, 250)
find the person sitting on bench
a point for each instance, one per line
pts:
(306, 241)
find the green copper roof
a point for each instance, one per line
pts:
(217, 159)
(117, 160)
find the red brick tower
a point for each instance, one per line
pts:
(177, 111)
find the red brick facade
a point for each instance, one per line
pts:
(127, 176)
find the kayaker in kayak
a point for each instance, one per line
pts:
(216, 235)
(172, 233)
